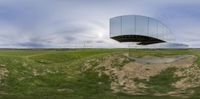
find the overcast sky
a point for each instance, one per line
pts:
(75, 23)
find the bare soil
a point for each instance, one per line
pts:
(126, 70)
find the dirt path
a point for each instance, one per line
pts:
(149, 59)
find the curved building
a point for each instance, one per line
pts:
(162, 45)
(141, 29)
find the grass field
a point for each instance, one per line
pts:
(57, 74)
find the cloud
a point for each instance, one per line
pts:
(70, 23)
(183, 19)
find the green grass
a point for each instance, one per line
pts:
(56, 74)
(119, 64)
(158, 52)
(162, 83)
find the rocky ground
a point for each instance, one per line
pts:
(169, 75)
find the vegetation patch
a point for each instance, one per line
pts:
(162, 83)
(119, 62)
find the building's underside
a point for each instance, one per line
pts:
(142, 40)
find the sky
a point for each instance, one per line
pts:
(85, 23)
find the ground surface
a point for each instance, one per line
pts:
(100, 74)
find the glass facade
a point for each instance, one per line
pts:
(139, 25)
(128, 25)
(115, 26)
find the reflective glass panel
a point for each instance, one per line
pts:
(115, 26)
(152, 27)
(141, 25)
(128, 25)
